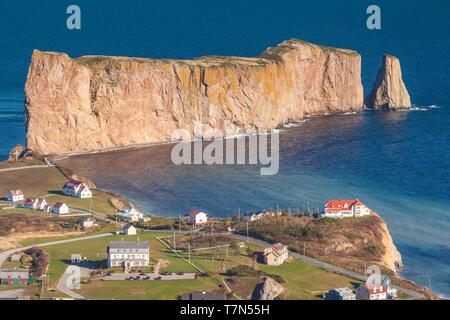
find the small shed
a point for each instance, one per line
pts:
(129, 230)
(16, 258)
(75, 258)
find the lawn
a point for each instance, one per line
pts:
(95, 251)
(37, 182)
(144, 290)
(304, 281)
(34, 182)
(100, 202)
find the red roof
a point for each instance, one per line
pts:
(72, 184)
(30, 200)
(58, 205)
(375, 289)
(342, 204)
(16, 192)
(194, 213)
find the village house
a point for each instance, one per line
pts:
(130, 215)
(87, 223)
(15, 195)
(129, 230)
(252, 217)
(14, 277)
(371, 291)
(197, 218)
(340, 294)
(77, 189)
(345, 209)
(60, 208)
(36, 203)
(128, 254)
(275, 255)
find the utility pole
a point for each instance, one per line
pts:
(247, 232)
(304, 251)
(189, 250)
(174, 243)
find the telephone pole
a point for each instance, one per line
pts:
(189, 250)
(247, 232)
(174, 243)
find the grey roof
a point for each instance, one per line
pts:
(128, 245)
(344, 292)
(14, 273)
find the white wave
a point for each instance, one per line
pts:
(433, 106)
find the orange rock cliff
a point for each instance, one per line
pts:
(98, 102)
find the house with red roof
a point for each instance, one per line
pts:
(197, 218)
(60, 208)
(276, 255)
(371, 292)
(345, 209)
(36, 203)
(15, 195)
(75, 188)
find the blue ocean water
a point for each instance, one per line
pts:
(398, 162)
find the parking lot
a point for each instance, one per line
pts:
(150, 276)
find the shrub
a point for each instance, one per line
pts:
(247, 271)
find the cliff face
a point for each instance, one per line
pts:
(351, 242)
(389, 91)
(94, 102)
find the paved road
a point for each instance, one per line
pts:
(27, 167)
(11, 294)
(5, 254)
(326, 266)
(65, 285)
(152, 276)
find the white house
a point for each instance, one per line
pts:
(128, 254)
(15, 195)
(345, 209)
(36, 203)
(371, 292)
(77, 189)
(60, 208)
(276, 254)
(340, 294)
(197, 217)
(376, 291)
(252, 217)
(130, 215)
(129, 230)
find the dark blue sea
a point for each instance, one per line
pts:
(398, 163)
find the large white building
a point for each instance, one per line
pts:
(345, 209)
(77, 189)
(128, 254)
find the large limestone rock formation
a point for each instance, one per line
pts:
(389, 91)
(97, 102)
(269, 289)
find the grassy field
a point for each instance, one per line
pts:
(144, 290)
(95, 251)
(36, 182)
(304, 281)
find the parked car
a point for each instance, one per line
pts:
(180, 273)
(158, 278)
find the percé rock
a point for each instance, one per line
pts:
(389, 90)
(98, 102)
(269, 289)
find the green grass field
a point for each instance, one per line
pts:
(95, 251)
(144, 290)
(304, 281)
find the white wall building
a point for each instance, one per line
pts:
(197, 217)
(15, 195)
(130, 215)
(345, 209)
(129, 230)
(60, 208)
(77, 189)
(128, 254)
(36, 203)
